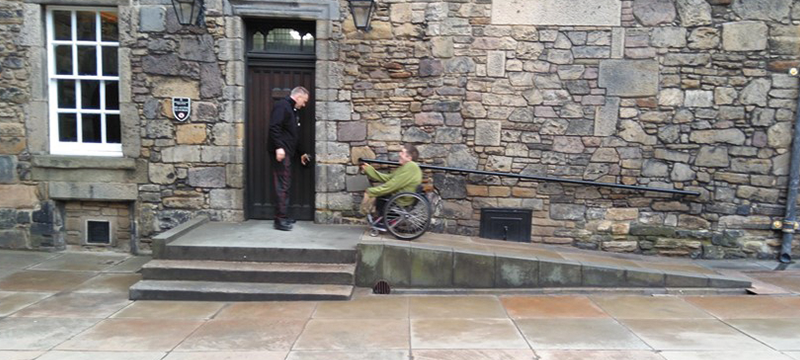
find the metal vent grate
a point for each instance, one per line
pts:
(98, 232)
(382, 288)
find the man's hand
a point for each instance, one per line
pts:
(364, 166)
(305, 159)
(280, 154)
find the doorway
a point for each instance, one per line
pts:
(280, 56)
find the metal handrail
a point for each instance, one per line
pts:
(541, 178)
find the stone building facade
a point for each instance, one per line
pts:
(679, 94)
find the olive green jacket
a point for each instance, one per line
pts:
(405, 179)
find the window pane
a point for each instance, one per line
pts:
(86, 26)
(108, 26)
(110, 66)
(90, 94)
(62, 23)
(283, 40)
(64, 60)
(67, 127)
(91, 128)
(258, 41)
(87, 60)
(66, 94)
(112, 95)
(113, 133)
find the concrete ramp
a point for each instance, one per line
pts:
(446, 262)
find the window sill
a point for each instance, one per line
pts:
(83, 162)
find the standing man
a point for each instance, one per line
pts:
(284, 131)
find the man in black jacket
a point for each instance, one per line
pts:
(284, 131)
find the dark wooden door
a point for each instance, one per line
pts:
(268, 82)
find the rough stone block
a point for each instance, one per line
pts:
(560, 273)
(370, 264)
(606, 117)
(774, 10)
(496, 63)
(152, 19)
(512, 272)
(487, 132)
(431, 267)
(644, 278)
(600, 276)
(8, 169)
(694, 12)
(213, 177)
(567, 211)
(744, 36)
(686, 281)
(668, 37)
(396, 267)
(226, 199)
(629, 78)
(473, 270)
(13, 239)
(556, 12)
(654, 12)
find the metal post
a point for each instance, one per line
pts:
(791, 198)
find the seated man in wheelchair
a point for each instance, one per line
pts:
(406, 178)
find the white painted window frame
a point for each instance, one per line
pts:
(58, 147)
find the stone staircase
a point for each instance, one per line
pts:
(183, 269)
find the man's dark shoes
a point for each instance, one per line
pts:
(290, 221)
(283, 225)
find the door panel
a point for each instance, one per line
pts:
(267, 83)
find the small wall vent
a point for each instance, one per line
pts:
(506, 224)
(98, 232)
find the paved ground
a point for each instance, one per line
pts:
(74, 306)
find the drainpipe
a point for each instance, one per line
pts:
(790, 222)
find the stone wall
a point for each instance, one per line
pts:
(685, 94)
(681, 94)
(77, 213)
(25, 221)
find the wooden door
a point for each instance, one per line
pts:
(268, 82)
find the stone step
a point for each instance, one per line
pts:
(235, 291)
(260, 254)
(234, 271)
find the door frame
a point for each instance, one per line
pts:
(295, 61)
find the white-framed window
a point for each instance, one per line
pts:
(83, 76)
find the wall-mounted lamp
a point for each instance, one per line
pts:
(362, 12)
(188, 11)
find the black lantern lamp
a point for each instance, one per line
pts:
(188, 11)
(362, 12)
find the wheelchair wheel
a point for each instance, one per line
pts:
(407, 215)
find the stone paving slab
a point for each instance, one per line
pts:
(526, 307)
(478, 354)
(261, 234)
(132, 335)
(460, 307)
(597, 355)
(747, 307)
(82, 262)
(698, 334)
(96, 355)
(779, 334)
(589, 334)
(74, 305)
(466, 334)
(724, 355)
(644, 307)
(20, 355)
(244, 335)
(39, 334)
(44, 281)
(227, 355)
(13, 259)
(11, 302)
(195, 310)
(341, 355)
(352, 335)
(387, 307)
(118, 283)
(268, 310)
(130, 265)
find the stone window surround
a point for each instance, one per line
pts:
(81, 148)
(38, 123)
(112, 227)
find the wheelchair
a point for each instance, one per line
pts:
(405, 215)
